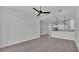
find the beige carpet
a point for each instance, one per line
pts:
(43, 44)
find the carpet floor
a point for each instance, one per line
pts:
(43, 44)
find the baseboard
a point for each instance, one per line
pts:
(44, 35)
(61, 38)
(17, 42)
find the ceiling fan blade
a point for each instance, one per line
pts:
(46, 12)
(38, 14)
(36, 9)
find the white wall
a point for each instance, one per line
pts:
(0, 23)
(18, 24)
(77, 27)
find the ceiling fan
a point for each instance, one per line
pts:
(40, 11)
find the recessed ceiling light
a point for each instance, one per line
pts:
(60, 10)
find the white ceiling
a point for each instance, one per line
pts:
(67, 11)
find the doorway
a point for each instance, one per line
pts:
(44, 30)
